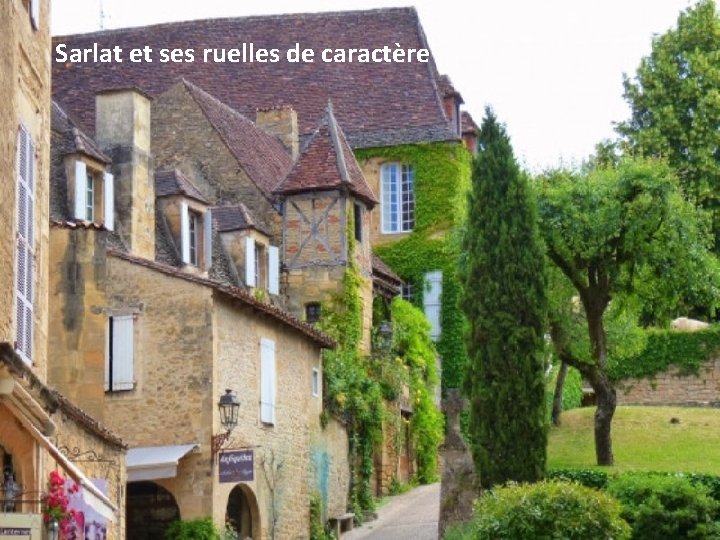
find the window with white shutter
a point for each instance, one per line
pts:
(81, 190)
(35, 13)
(273, 270)
(250, 262)
(207, 238)
(185, 232)
(268, 381)
(432, 301)
(109, 201)
(120, 353)
(316, 382)
(25, 260)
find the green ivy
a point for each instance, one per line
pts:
(442, 179)
(688, 351)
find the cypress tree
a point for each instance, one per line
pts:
(505, 304)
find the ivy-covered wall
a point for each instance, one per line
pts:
(442, 180)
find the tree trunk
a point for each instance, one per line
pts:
(558, 397)
(597, 376)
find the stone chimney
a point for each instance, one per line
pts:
(122, 130)
(281, 122)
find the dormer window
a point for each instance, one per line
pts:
(195, 236)
(93, 195)
(262, 265)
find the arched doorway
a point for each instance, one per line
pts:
(150, 511)
(242, 512)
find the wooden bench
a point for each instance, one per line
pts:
(342, 523)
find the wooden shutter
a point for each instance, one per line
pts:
(109, 201)
(35, 13)
(80, 190)
(268, 382)
(273, 270)
(122, 353)
(250, 262)
(432, 301)
(207, 238)
(184, 232)
(24, 264)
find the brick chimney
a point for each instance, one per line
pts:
(122, 130)
(281, 122)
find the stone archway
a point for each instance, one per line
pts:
(150, 510)
(242, 512)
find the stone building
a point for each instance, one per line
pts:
(245, 186)
(41, 430)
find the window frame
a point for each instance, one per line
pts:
(90, 197)
(315, 382)
(397, 198)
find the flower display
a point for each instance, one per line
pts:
(57, 501)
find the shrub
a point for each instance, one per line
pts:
(548, 509)
(667, 507)
(587, 477)
(196, 529)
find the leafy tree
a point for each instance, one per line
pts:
(504, 301)
(675, 103)
(623, 232)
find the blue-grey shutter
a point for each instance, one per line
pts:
(273, 270)
(184, 232)
(109, 201)
(123, 338)
(80, 210)
(268, 381)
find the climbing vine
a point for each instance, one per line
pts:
(442, 179)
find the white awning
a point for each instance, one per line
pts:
(154, 462)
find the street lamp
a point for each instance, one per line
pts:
(229, 406)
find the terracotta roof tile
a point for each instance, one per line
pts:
(467, 123)
(234, 218)
(327, 162)
(380, 267)
(263, 157)
(176, 183)
(393, 102)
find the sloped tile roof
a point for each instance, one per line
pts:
(263, 157)
(381, 268)
(447, 89)
(378, 104)
(74, 137)
(176, 183)
(327, 162)
(234, 218)
(467, 123)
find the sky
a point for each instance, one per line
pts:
(552, 70)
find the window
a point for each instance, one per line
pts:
(316, 382)
(94, 195)
(407, 292)
(119, 353)
(261, 268)
(195, 236)
(357, 218)
(398, 197)
(25, 257)
(432, 302)
(312, 312)
(90, 198)
(268, 382)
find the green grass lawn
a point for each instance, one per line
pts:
(643, 439)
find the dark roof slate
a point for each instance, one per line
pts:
(75, 138)
(447, 89)
(176, 183)
(378, 104)
(468, 125)
(235, 218)
(325, 163)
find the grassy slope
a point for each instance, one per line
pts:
(643, 439)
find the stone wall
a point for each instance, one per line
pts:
(202, 155)
(25, 91)
(672, 388)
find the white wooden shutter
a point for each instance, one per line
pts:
(268, 383)
(122, 353)
(80, 190)
(207, 238)
(108, 331)
(250, 262)
(432, 301)
(273, 270)
(109, 201)
(24, 264)
(35, 13)
(184, 232)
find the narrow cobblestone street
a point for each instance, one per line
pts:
(410, 516)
